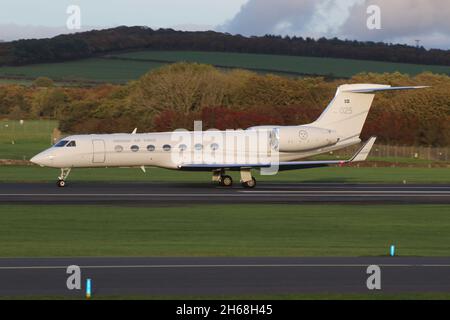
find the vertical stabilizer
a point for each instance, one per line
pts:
(347, 112)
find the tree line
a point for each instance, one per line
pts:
(175, 95)
(99, 42)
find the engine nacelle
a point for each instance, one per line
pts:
(302, 138)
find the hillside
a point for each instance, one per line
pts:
(94, 43)
(123, 67)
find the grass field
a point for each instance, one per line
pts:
(115, 71)
(135, 64)
(24, 141)
(241, 230)
(322, 175)
(195, 231)
(282, 63)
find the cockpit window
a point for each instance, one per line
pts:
(71, 144)
(61, 143)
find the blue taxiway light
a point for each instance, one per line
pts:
(88, 288)
(392, 251)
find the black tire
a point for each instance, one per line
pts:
(249, 184)
(61, 183)
(226, 181)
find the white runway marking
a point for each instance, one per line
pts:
(230, 266)
(387, 188)
(350, 192)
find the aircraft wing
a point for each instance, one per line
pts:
(360, 155)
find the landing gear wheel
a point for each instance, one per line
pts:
(62, 178)
(226, 181)
(249, 184)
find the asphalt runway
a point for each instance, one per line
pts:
(222, 276)
(148, 194)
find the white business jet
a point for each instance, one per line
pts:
(275, 148)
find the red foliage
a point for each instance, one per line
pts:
(103, 126)
(391, 126)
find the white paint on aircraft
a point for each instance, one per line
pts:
(268, 148)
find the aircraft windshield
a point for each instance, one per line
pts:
(62, 143)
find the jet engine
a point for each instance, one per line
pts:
(301, 138)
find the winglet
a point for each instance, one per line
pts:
(363, 153)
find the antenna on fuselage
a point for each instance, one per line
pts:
(134, 131)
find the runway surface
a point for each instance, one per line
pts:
(204, 193)
(222, 276)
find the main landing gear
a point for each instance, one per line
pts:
(249, 184)
(63, 176)
(226, 181)
(223, 180)
(247, 180)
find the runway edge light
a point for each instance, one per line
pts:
(392, 251)
(88, 289)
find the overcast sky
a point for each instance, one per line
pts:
(402, 21)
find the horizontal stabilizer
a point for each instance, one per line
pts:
(375, 88)
(363, 153)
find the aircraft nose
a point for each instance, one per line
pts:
(42, 159)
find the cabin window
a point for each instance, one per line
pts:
(134, 148)
(118, 148)
(214, 147)
(183, 147)
(61, 143)
(150, 148)
(71, 144)
(167, 147)
(198, 146)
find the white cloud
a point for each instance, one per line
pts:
(402, 20)
(259, 17)
(302, 17)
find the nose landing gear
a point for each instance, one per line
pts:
(63, 176)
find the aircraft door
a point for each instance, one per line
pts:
(98, 151)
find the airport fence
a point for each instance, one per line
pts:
(401, 152)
